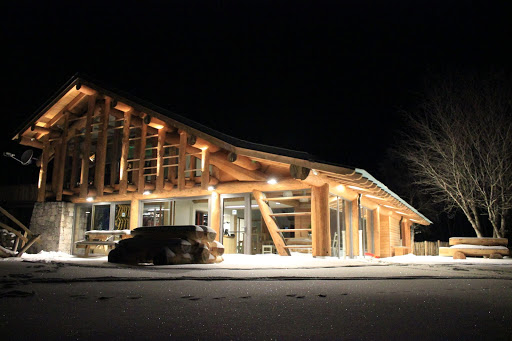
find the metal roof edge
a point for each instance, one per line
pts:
(390, 192)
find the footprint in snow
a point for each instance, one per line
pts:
(300, 296)
(292, 295)
(322, 295)
(219, 298)
(134, 297)
(79, 296)
(245, 297)
(187, 296)
(194, 298)
(105, 297)
(17, 293)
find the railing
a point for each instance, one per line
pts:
(428, 248)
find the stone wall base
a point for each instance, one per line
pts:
(54, 222)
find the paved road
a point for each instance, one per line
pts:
(377, 302)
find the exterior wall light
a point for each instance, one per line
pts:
(211, 188)
(272, 181)
(89, 199)
(146, 193)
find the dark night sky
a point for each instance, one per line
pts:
(326, 77)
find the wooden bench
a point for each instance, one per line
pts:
(102, 238)
(475, 247)
(88, 243)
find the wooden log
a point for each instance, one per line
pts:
(299, 172)
(219, 159)
(200, 253)
(215, 219)
(320, 224)
(142, 157)
(271, 224)
(74, 163)
(123, 169)
(479, 241)
(120, 106)
(16, 221)
(209, 233)
(182, 161)
(13, 230)
(114, 160)
(160, 160)
(191, 232)
(85, 89)
(243, 161)
(40, 130)
(62, 160)
(472, 252)
(84, 177)
(41, 185)
(200, 143)
(101, 148)
(205, 168)
(56, 165)
(213, 181)
(32, 142)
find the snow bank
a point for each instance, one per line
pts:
(469, 246)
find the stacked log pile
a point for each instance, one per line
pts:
(166, 245)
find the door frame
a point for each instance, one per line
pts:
(247, 218)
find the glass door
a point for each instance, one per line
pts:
(236, 223)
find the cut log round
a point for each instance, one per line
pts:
(191, 140)
(496, 256)
(299, 172)
(459, 255)
(164, 257)
(232, 157)
(209, 233)
(201, 254)
(147, 119)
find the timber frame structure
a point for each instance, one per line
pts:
(103, 145)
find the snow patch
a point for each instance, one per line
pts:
(469, 246)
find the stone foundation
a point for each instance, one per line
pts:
(54, 222)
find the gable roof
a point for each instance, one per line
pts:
(47, 115)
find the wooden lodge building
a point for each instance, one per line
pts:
(113, 162)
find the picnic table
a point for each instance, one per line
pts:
(106, 239)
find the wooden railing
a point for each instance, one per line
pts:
(428, 248)
(22, 233)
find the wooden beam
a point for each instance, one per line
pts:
(123, 169)
(84, 177)
(182, 160)
(16, 221)
(205, 168)
(114, 159)
(74, 163)
(200, 143)
(142, 156)
(43, 170)
(86, 90)
(134, 214)
(62, 160)
(160, 160)
(214, 220)
(220, 160)
(101, 149)
(243, 161)
(31, 142)
(56, 165)
(13, 230)
(271, 224)
(320, 224)
(70, 106)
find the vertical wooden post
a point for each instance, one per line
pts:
(160, 160)
(101, 149)
(355, 227)
(114, 158)
(320, 221)
(56, 165)
(123, 169)
(62, 158)
(426, 249)
(84, 177)
(134, 214)
(41, 185)
(182, 161)
(205, 168)
(376, 231)
(142, 156)
(75, 161)
(214, 220)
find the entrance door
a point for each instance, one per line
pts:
(236, 223)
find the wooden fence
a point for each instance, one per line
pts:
(428, 248)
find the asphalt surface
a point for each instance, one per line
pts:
(359, 301)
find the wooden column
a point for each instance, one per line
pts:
(56, 165)
(160, 160)
(74, 162)
(142, 156)
(205, 168)
(355, 228)
(114, 158)
(376, 231)
(215, 214)
(62, 158)
(406, 234)
(41, 186)
(134, 214)
(320, 221)
(84, 177)
(348, 227)
(123, 169)
(101, 149)
(182, 161)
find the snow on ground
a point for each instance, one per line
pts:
(297, 260)
(412, 259)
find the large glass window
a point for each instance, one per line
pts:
(337, 224)
(175, 212)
